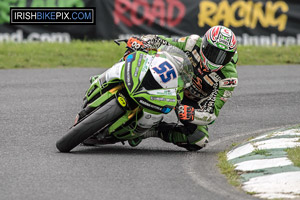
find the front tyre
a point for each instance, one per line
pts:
(90, 125)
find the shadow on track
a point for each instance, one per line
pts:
(126, 150)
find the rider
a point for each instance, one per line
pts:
(214, 59)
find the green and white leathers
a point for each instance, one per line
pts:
(130, 98)
(214, 58)
(211, 89)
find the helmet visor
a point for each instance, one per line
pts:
(216, 55)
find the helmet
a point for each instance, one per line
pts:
(217, 48)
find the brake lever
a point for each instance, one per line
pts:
(120, 40)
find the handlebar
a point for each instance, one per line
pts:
(120, 40)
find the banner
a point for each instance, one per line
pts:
(255, 22)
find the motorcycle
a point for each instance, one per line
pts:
(130, 98)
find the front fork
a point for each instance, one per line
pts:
(95, 98)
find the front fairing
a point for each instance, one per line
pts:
(142, 82)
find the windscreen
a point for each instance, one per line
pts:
(181, 62)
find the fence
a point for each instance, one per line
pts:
(255, 22)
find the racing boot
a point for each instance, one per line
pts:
(192, 142)
(134, 142)
(150, 133)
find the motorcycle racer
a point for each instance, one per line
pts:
(214, 59)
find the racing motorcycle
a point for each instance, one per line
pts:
(130, 98)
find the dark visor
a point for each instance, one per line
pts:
(214, 54)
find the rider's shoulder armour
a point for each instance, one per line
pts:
(231, 76)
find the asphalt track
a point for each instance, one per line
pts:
(38, 105)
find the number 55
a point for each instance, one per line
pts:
(166, 72)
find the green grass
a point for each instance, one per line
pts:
(106, 53)
(251, 55)
(261, 152)
(47, 55)
(294, 155)
(228, 169)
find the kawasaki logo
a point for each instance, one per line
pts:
(6, 4)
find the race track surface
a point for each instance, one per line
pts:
(37, 106)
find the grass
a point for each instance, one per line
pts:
(48, 55)
(261, 152)
(294, 155)
(252, 55)
(233, 176)
(106, 53)
(228, 169)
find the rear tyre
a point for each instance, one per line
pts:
(90, 125)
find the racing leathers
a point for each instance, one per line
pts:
(207, 94)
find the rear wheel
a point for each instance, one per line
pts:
(89, 126)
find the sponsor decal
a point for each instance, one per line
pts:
(170, 92)
(196, 55)
(154, 107)
(128, 68)
(208, 80)
(27, 16)
(215, 77)
(266, 23)
(140, 60)
(138, 65)
(147, 63)
(228, 82)
(268, 40)
(164, 12)
(129, 58)
(7, 4)
(197, 82)
(136, 71)
(122, 101)
(243, 13)
(149, 105)
(166, 110)
(162, 99)
(19, 36)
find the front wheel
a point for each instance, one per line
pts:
(90, 125)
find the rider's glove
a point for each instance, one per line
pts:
(186, 113)
(136, 44)
(153, 41)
